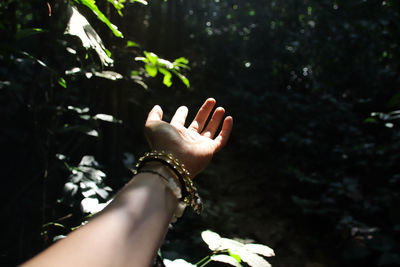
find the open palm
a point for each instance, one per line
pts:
(193, 145)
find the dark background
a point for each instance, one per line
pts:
(312, 166)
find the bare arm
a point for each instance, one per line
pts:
(130, 230)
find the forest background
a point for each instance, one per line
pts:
(312, 166)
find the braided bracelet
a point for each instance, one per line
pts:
(190, 195)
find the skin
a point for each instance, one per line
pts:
(132, 227)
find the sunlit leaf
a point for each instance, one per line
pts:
(260, 249)
(253, 259)
(80, 27)
(234, 255)
(213, 240)
(92, 5)
(153, 58)
(177, 263)
(79, 110)
(139, 1)
(108, 74)
(167, 77)
(151, 70)
(226, 259)
(181, 60)
(106, 117)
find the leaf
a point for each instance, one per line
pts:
(213, 240)
(177, 263)
(260, 249)
(153, 58)
(62, 82)
(92, 5)
(80, 27)
(132, 44)
(80, 128)
(234, 255)
(108, 74)
(182, 77)
(106, 117)
(253, 259)
(226, 259)
(24, 33)
(117, 5)
(151, 70)
(140, 1)
(167, 77)
(181, 60)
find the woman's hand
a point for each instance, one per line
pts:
(194, 145)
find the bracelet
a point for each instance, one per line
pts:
(175, 188)
(189, 191)
(169, 181)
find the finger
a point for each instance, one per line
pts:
(202, 115)
(180, 116)
(214, 123)
(223, 136)
(155, 114)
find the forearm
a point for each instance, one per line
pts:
(127, 233)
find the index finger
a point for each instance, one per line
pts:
(155, 114)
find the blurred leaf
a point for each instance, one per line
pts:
(181, 60)
(151, 70)
(23, 33)
(140, 1)
(182, 77)
(106, 117)
(167, 76)
(62, 82)
(370, 120)
(153, 58)
(108, 74)
(132, 44)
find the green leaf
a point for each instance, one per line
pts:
(23, 33)
(181, 60)
(62, 82)
(370, 120)
(153, 58)
(235, 256)
(151, 70)
(118, 5)
(132, 44)
(167, 77)
(91, 4)
(183, 78)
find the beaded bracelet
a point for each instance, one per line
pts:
(190, 195)
(172, 184)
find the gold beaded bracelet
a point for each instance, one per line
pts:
(189, 191)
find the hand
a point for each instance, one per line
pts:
(194, 145)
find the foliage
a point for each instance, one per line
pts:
(311, 168)
(229, 251)
(55, 75)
